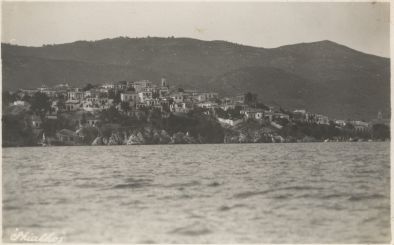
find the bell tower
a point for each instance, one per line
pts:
(164, 82)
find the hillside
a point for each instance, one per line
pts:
(322, 76)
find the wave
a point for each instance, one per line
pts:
(147, 242)
(366, 197)
(190, 163)
(129, 185)
(134, 183)
(333, 196)
(251, 193)
(301, 188)
(11, 208)
(213, 184)
(192, 230)
(295, 188)
(87, 185)
(181, 185)
(226, 208)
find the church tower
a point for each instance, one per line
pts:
(164, 82)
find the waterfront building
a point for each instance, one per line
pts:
(36, 121)
(381, 120)
(67, 136)
(321, 119)
(360, 125)
(340, 123)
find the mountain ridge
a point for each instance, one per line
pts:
(333, 72)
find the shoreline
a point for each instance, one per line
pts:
(246, 143)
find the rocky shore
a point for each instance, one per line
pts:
(146, 136)
(149, 136)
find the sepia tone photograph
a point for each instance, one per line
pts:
(195, 122)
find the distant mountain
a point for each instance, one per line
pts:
(275, 86)
(322, 76)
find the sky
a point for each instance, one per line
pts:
(361, 26)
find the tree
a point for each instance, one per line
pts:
(61, 105)
(111, 94)
(235, 113)
(116, 98)
(264, 107)
(40, 103)
(87, 87)
(125, 106)
(6, 98)
(155, 118)
(155, 95)
(83, 119)
(88, 134)
(380, 131)
(16, 132)
(251, 99)
(221, 113)
(111, 115)
(26, 98)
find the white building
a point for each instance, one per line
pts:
(341, 123)
(180, 107)
(321, 119)
(140, 86)
(75, 95)
(93, 93)
(360, 125)
(129, 96)
(253, 113)
(230, 122)
(20, 102)
(206, 96)
(146, 95)
(177, 97)
(208, 105)
(90, 106)
(73, 105)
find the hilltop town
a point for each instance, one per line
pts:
(146, 112)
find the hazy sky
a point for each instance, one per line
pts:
(362, 26)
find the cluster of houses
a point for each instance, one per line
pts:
(146, 95)
(137, 95)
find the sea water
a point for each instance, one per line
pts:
(219, 193)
